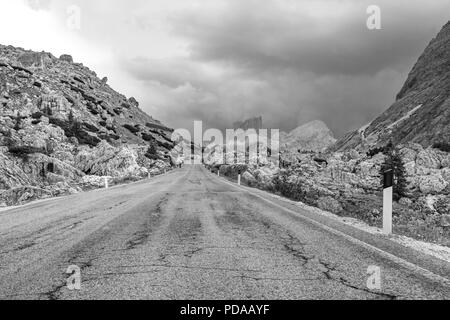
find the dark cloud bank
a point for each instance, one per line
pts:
(289, 61)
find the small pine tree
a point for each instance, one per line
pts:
(17, 125)
(71, 117)
(395, 163)
(152, 149)
(152, 152)
(48, 111)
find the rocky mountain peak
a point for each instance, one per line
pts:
(255, 123)
(421, 113)
(313, 136)
(312, 128)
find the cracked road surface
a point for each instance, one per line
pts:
(191, 235)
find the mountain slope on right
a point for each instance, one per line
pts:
(421, 113)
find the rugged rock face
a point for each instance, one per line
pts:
(314, 136)
(254, 123)
(421, 113)
(59, 122)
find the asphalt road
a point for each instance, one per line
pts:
(192, 235)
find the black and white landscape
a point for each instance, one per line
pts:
(120, 175)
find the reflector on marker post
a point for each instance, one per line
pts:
(388, 184)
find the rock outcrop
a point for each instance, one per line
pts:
(253, 123)
(60, 123)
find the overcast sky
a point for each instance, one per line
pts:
(291, 61)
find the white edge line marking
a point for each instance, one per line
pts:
(415, 268)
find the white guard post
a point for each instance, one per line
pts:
(387, 201)
(106, 183)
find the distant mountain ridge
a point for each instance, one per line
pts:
(421, 113)
(255, 123)
(313, 136)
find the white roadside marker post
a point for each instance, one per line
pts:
(218, 173)
(106, 183)
(239, 179)
(387, 201)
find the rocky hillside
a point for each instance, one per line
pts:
(313, 136)
(349, 184)
(421, 113)
(62, 127)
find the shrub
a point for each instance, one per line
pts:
(233, 171)
(90, 127)
(23, 152)
(384, 150)
(395, 163)
(288, 189)
(18, 122)
(131, 128)
(147, 137)
(155, 126)
(166, 145)
(37, 115)
(152, 153)
(75, 129)
(443, 146)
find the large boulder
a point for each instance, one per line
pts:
(429, 159)
(265, 176)
(372, 166)
(66, 58)
(34, 59)
(446, 161)
(106, 160)
(408, 155)
(410, 168)
(40, 136)
(90, 181)
(248, 178)
(432, 184)
(12, 173)
(445, 221)
(446, 174)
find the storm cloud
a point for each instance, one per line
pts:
(291, 61)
